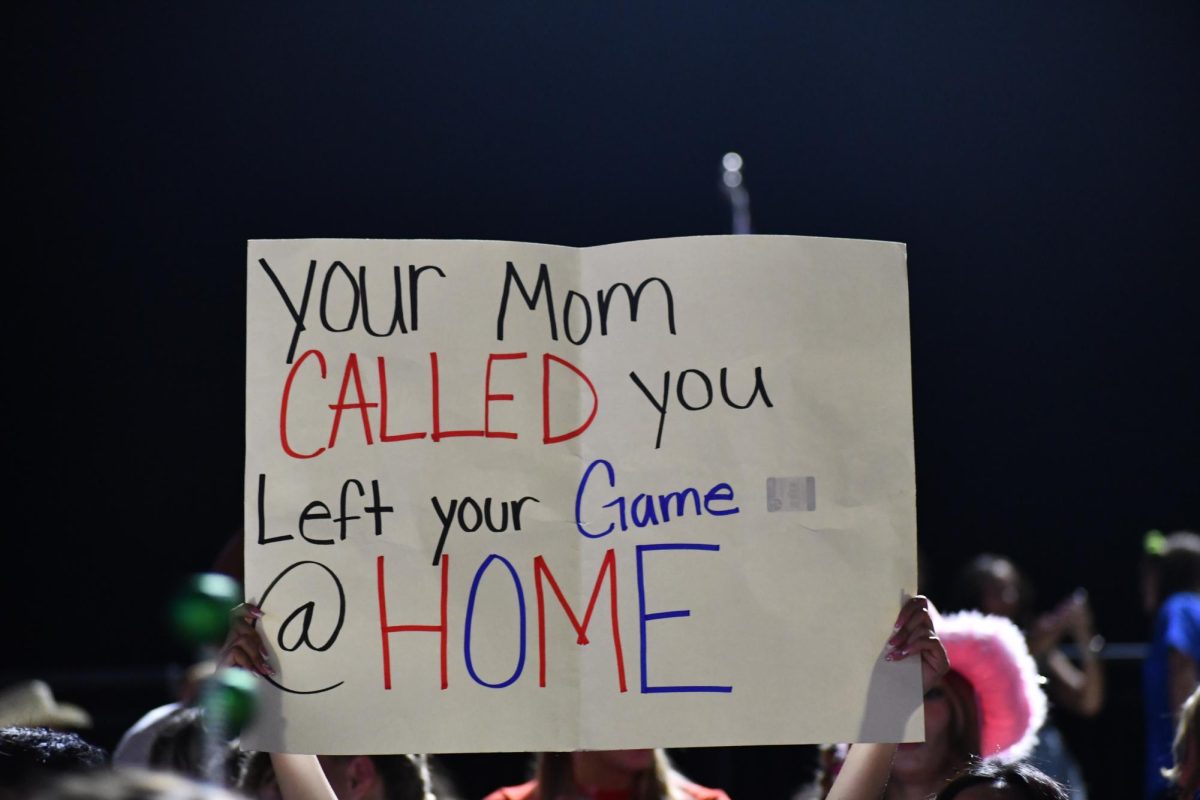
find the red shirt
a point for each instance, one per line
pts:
(692, 790)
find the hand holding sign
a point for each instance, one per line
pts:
(244, 648)
(657, 493)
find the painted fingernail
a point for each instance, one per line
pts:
(890, 657)
(255, 611)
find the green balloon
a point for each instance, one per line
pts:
(200, 610)
(230, 699)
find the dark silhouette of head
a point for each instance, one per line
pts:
(182, 746)
(1171, 567)
(1001, 781)
(29, 756)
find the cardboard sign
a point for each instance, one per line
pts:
(506, 496)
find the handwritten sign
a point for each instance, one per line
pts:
(507, 496)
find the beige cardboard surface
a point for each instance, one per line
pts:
(745, 563)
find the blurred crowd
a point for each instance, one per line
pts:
(1000, 679)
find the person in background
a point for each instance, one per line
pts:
(988, 703)
(182, 745)
(992, 780)
(607, 775)
(133, 749)
(395, 777)
(1171, 595)
(994, 585)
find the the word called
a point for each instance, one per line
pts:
(310, 373)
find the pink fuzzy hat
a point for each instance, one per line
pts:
(991, 654)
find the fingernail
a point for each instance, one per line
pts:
(255, 611)
(902, 654)
(890, 657)
(266, 656)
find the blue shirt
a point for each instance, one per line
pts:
(1177, 627)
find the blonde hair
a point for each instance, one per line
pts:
(555, 776)
(1185, 737)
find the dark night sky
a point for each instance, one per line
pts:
(1041, 160)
